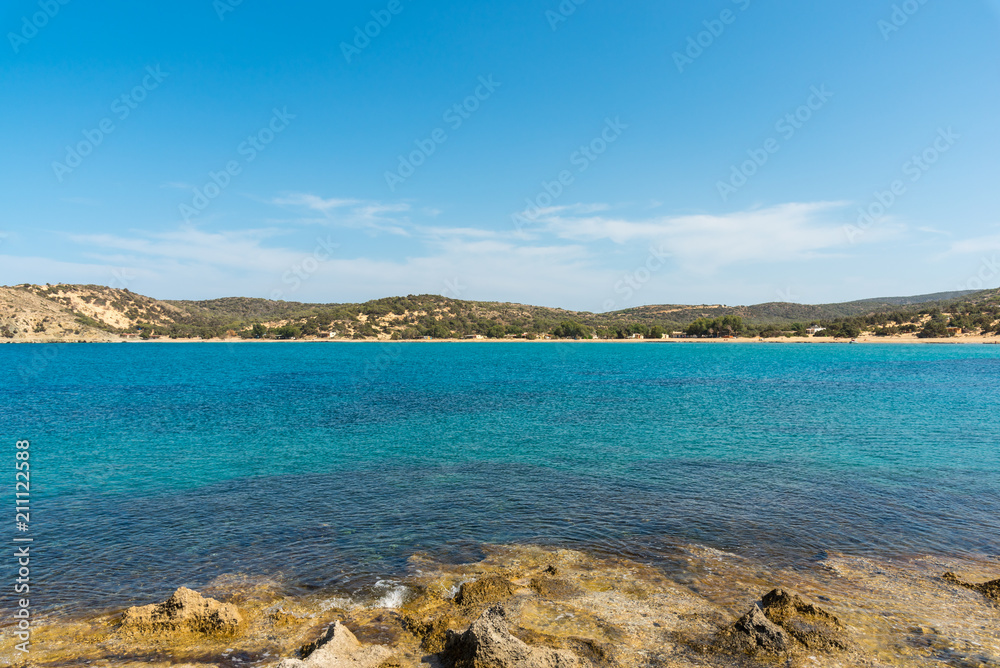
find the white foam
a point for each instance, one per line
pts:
(340, 602)
(388, 594)
(394, 596)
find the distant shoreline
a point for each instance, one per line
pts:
(91, 314)
(896, 340)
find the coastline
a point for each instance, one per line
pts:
(894, 340)
(606, 610)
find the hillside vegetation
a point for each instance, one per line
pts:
(94, 312)
(777, 313)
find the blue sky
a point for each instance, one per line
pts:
(592, 156)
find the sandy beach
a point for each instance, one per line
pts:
(964, 339)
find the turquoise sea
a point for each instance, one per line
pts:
(326, 465)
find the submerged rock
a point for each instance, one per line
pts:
(488, 644)
(485, 591)
(782, 622)
(185, 611)
(338, 648)
(990, 590)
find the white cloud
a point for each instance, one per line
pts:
(15, 270)
(577, 256)
(788, 232)
(541, 213)
(240, 250)
(457, 232)
(314, 202)
(461, 262)
(975, 245)
(352, 213)
(87, 201)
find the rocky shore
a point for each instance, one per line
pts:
(535, 607)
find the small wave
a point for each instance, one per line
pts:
(393, 594)
(457, 587)
(337, 602)
(388, 594)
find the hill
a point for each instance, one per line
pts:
(99, 313)
(25, 316)
(786, 313)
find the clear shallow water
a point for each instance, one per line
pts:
(326, 465)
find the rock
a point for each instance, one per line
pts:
(782, 622)
(754, 632)
(338, 648)
(485, 591)
(488, 644)
(990, 590)
(432, 631)
(547, 587)
(185, 611)
(338, 638)
(809, 624)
